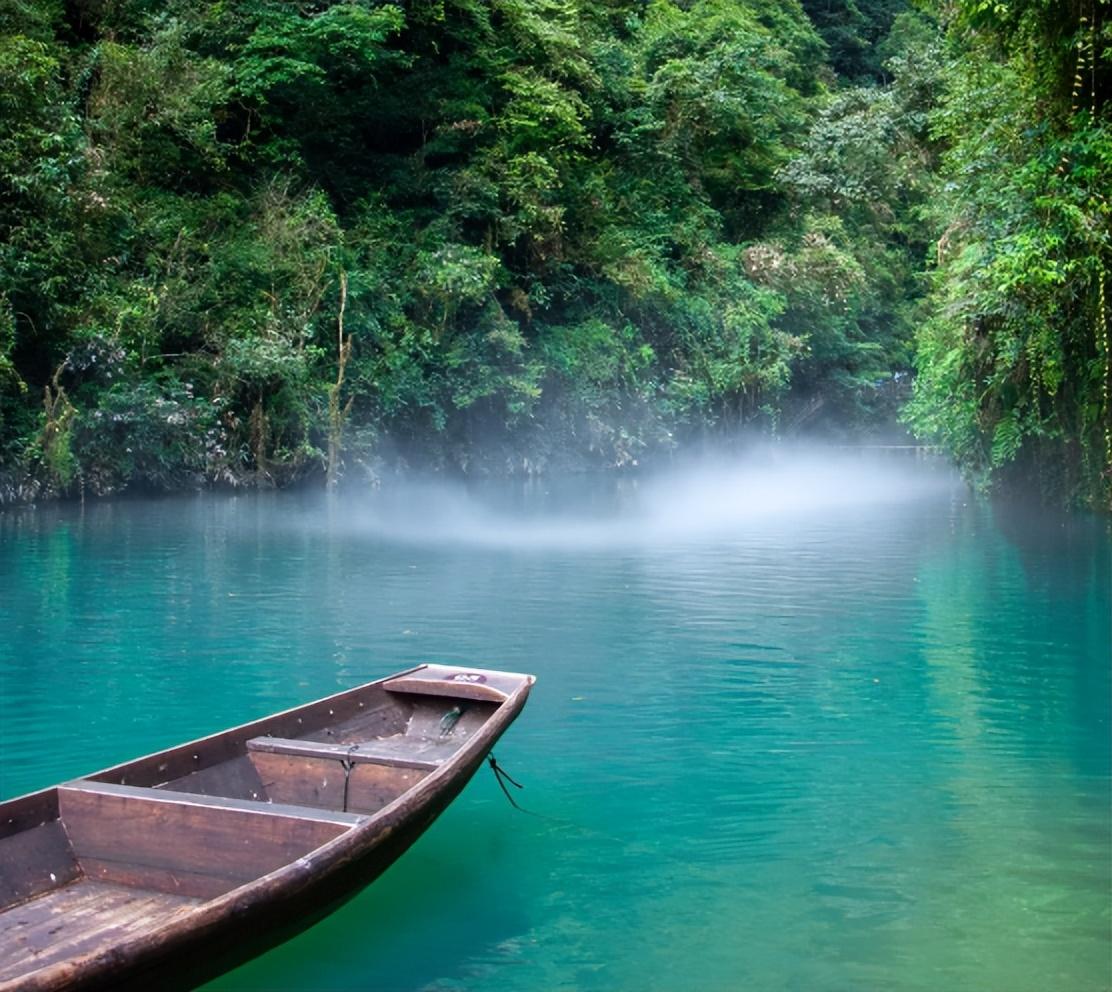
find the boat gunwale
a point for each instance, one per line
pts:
(295, 877)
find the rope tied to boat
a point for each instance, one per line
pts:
(348, 764)
(502, 776)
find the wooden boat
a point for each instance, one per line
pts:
(165, 871)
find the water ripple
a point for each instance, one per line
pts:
(824, 743)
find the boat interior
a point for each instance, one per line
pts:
(99, 859)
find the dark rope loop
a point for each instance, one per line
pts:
(347, 764)
(501, 776)
(500, 771)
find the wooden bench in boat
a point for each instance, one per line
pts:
(81, 785)
(379, 752)
(361, 777)
(133, 857)
(176, 843)
(148, 853)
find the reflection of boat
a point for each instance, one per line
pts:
(163, 872)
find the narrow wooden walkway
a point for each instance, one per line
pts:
(82, 917)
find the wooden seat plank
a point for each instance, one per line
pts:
(216, 802)
(187, 844)
(377, 752)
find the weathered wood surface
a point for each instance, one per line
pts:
(322, 780)
(123, 834)
(79, 918)
(382, 720)
(375, 786)
(236, 778)
(402, 752)
(442, 725)
(300, 781)
(28, 811)
(34, 861)
(264, 808)
(451, 682)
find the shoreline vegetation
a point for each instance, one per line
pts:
(259, 244)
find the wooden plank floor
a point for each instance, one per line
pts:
(77, 918)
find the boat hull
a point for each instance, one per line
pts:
(213, 935)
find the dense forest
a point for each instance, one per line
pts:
(256, 242)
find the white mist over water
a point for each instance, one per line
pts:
(702, 500)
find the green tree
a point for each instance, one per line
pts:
(1014, 363)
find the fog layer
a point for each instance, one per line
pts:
(707, 499)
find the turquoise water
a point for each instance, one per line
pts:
(820, 729)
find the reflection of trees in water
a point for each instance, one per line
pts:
(1016, 738)
(1063, 554)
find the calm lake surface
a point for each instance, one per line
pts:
(817, 727)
